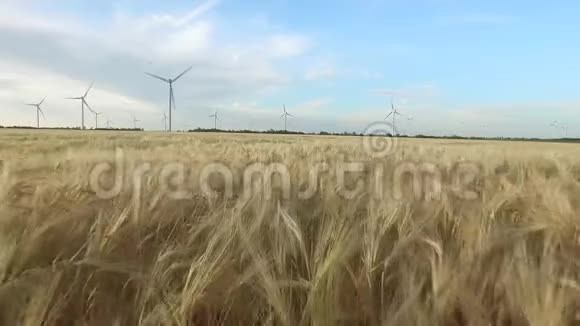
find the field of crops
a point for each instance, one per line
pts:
(127, 228)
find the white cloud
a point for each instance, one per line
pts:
(30, 84)
(187, 42)
(16, 16)
(184, 20)
(60, 53)
(287, 45)
(315, 107)
(321, 72)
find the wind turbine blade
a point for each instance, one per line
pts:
(183, 73)
(30, 104)
(89, 89)
(388, 115)
(87, 104)
(42, 113)
(284, 108)
(397, 113)
(288, 114)
(282, 116)
(73, 98)
(173, 100)
(155, 76)
(44, 98)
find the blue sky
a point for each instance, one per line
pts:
(464, 67)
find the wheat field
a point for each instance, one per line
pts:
(432, 233)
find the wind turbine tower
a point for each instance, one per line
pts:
(215, 119)
(557, 124)
(96, 118)
(135, 122)
(171, 95)
(83, 103)
(164, 119)
(38, 112)
(394, 113)
(285, 115)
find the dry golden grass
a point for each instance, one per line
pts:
(510, 256)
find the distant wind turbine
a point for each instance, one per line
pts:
(215, 119)
(96, 118)
(285, 115)
(83, 103)
(164, 119)
(38, 111)
(171, 95)
(394, 113)
(557, 124)
(109, 122)
(135, 122)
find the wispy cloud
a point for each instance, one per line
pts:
(321, 72)
(287, 45)
(196, 12)
(314, 107)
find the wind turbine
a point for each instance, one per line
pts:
(393, 113)
(96, 118)
(83, 103)
(285, 115)
(164, 121)
(557, 124)
(38, 110)
(109, 122)
(135, 122)
(170, 82)
(484, 129)
(215, 119)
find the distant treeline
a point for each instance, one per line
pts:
(118, 129)
(279, 132)
(41, 128)
(325, 133)
(70, 128)
(321, 133)
(560, 140)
